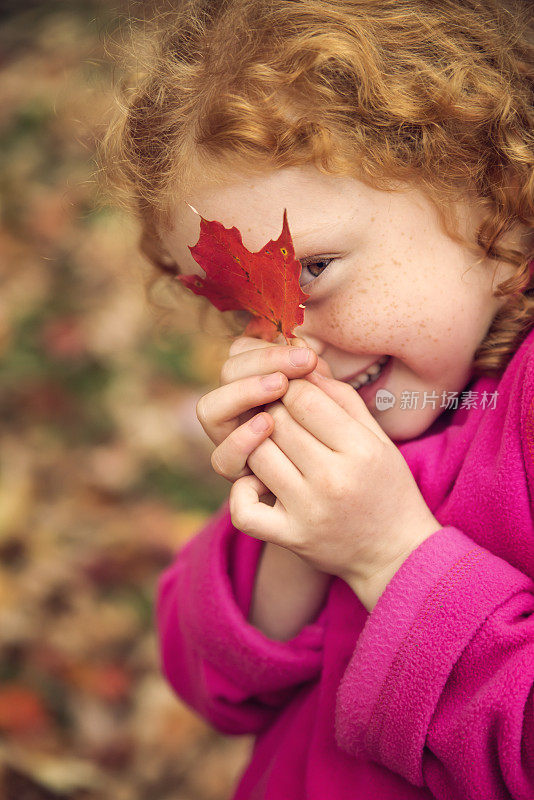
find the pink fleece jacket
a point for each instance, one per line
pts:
(429, 696)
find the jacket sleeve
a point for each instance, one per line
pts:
(221, 666)
(449, 700)
(527, 425)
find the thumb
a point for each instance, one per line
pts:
(349, 400)
(322, 367)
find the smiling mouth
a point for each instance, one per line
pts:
(369, 375)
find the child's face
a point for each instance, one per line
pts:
(396, 284)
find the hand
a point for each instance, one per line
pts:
(346, 501)
(225, 412)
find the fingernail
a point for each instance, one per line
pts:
(259, 423)
(271, 382)
(299, 356)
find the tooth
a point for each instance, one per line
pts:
(374, 369)
(372, 372)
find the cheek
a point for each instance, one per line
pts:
(364, 319)
(403, 317)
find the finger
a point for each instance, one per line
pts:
(298, 444)
(344, 395)
(277, 472)
(264, 360)
(242, 343)
(219, 410)
(263, 491)
(322, 368)
(324, 417)
(229, 459)
(253, 517)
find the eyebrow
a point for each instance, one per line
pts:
(310, 250)
(309, 256)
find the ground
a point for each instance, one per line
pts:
(104, 468)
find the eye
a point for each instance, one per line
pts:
(313, 265)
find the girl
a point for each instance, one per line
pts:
(363, 602)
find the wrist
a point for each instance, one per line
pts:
(287, 594)
(369, 588)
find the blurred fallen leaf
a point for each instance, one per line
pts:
(64, 338)
(22, 710)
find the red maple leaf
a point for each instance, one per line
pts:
(265, 283)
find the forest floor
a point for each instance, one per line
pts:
(104, 468)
